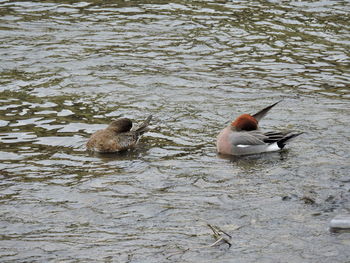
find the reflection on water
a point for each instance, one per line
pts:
(69, 68)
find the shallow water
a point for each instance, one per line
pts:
(68, 68)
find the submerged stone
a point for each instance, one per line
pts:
(340, 223)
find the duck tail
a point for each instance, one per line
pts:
(144, 126)
(261, 114)
(281, 143)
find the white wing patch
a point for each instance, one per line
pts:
(242, 145)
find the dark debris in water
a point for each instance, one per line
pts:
(325, 205)
(308, 200)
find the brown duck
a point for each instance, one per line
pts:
(118, 136)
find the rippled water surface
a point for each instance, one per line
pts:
(68, 68)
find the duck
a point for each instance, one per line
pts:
(119, 136)
(243, 136)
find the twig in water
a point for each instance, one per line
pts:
(220, 235)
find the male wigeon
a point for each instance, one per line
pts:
(243, 136)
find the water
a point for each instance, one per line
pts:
(68, 68)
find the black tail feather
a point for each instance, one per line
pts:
(281, 143)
